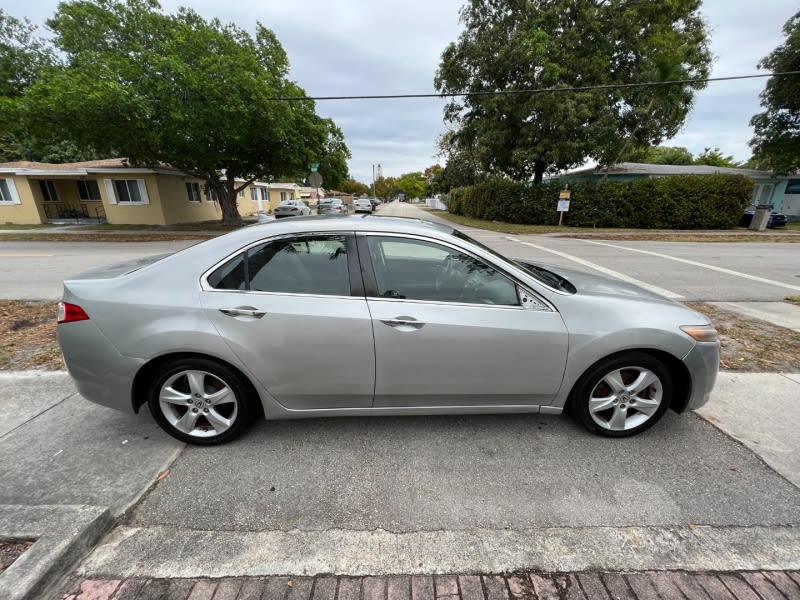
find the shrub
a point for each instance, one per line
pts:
(674, 202)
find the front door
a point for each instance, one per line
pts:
(450, 330)
(287, 309)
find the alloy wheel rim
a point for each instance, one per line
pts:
(625, 398)
(198, 403)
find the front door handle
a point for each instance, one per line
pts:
(404, 322)
(242, 312)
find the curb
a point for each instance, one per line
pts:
(63, 534)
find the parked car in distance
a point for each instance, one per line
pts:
(776, 219)
(263, 217)
(375, 202)
(292, 208)
(362, 205)
(331, 206)
(209, 338)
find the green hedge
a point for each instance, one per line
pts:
(674, 202)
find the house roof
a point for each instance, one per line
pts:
(627, 168)
(105, 165)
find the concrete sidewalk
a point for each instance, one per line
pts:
(70, 468)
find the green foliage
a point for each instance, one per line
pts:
(534, 44)
(658, 155)
(177, 89)
(679, 202)
(385, 187)
(413, 185)
(715, 158)
(356, 188)
(333, 162)
(777, 130)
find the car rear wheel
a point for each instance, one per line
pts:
(200, 401)
(622, 395)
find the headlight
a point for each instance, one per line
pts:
(701, 333)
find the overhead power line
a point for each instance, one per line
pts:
(548, 90)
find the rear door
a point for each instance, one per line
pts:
(293, 311)
(452, 330)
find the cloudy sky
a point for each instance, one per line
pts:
(352, 47)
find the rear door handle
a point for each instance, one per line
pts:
(242, 312)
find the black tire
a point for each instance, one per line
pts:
(204, 425)
(593, 391)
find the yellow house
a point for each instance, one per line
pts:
(263, 196)
(105, 190)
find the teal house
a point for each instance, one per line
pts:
(782, 192)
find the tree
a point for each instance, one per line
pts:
(179, 90)
(659, 155)
(356, 188)
(385, 187)
(413, 185)
(514, 45)
(333, 162)
(23, 56)
(715, 158)
(776, 142)
(433, 178)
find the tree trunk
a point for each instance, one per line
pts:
(538, 172)
(227, 201)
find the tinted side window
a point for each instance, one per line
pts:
(421, 270)
(307, 265)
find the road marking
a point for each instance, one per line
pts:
(605, 271)
(24, 255)
(787, 286)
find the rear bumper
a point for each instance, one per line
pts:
(101, 374)
(703, 365)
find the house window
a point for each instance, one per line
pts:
(264, 194)
(8, 192)
(128, 191)
(253, 193)
(48, 188)
(283, 197)
(241, 193)
(793, 186)
(88, 190)
(193, 191)
(211, 194)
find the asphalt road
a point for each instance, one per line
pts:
(733, 272)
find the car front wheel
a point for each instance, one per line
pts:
(200, 401)
(622, 395)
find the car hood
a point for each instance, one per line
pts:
(596, 285)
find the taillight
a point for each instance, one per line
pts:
(293, 210)
(69, 313)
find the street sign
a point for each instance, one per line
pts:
(313, 167)
(564, 194)
(563, 205)
(315, 179)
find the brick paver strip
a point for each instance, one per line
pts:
(593, 586)
(574, 591)
(373, 588)
(276, 588)
(445, 585)
(154, 589)
(129, 589)
(666, 587)
(97, 589)
(422, 588)
(544, 587)
(617, 587)
(520, 587)
(179, 589)
(253, 589)
(495, 587)
(714, 587)
(690, 586)
(349, 588)
(203, 590)
(763, 586)
(738, 587)
(641, 586)
(794, 575)
(324, 589)
(299, 590)
(228, 589)
(471, 587)
(398, 588)
(782, 581)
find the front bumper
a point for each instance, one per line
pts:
(101, 374)
(703, 365)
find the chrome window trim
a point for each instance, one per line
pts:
(549, 307)
(206, 287)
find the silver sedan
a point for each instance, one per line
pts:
(292, 208)
(210, 338)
